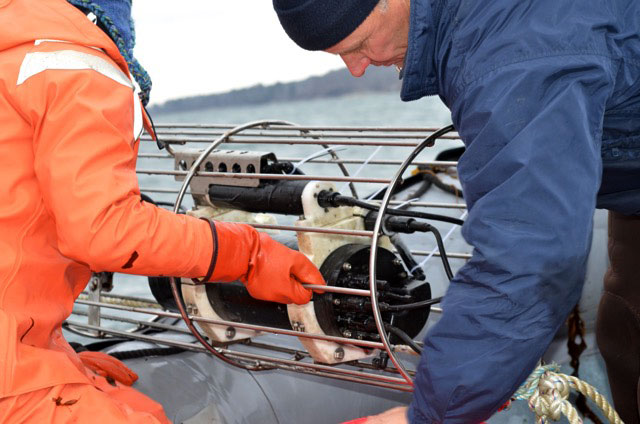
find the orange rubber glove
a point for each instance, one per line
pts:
(108, 366)
(362, 420)
(269, 270)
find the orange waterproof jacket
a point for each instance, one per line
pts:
(70, 202)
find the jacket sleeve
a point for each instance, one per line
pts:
(530, 176)
(85, 157)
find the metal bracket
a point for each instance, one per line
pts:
(99, 282)
(231, 161)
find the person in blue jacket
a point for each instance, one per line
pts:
(546, 97)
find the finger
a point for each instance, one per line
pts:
(307, 273)
(300, 294)
(305, 270)
(312, 280)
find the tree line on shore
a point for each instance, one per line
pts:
(333, 84)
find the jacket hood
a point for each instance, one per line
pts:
(24, 21)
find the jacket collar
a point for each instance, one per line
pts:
(419, 72)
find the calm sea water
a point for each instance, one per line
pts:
(379, 109)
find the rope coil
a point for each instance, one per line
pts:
(547, 392)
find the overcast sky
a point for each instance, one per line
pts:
(193, 47)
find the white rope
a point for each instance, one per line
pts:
(366, 162)
(315, 155)
(547, 393)
(105, 298)
(406, 202)
(380, 190)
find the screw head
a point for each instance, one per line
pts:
(192, 309)
(297, 326)
(230, 332)
(346, 266)
(338, 354)
(336, 301)
(347, 333)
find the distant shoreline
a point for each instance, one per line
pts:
(333, 84)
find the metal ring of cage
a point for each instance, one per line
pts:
(374, 247)
(375, 238)
(174, 285)
(367, 373)
(192, 172)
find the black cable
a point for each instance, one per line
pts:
(411, 214)
(407, 257)
(335, 199)
(142, 353)
(404, 337)
(161, 144)
(416, 305)
(417, 193)
(429, 175)
(410, 225)
(443, 253)
(405, 185)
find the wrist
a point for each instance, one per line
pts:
(235, 246)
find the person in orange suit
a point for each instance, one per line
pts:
(71, 117)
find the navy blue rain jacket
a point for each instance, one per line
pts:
(546, 96)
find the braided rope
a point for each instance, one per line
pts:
(124, 302)
(139, 73)
(547, 392)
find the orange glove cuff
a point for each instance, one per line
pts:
(214, 253)
(236, 244)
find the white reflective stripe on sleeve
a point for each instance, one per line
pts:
(137, 114)
(37, 62)
(51, 40)
(47, 40)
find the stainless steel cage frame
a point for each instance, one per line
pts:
(398, 376)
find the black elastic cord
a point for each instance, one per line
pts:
(443, 253)
(334, 199)
(214, 255)
(143, 353)
(416, 305)
(404, 337)
(161, 145)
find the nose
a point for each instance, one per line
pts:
(356, 63)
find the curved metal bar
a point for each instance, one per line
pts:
(374, 248)
(176, 209)
(189, 322)
(343, 168)
(273, 362)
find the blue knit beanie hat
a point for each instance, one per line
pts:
(320, 24)
(114, 17)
